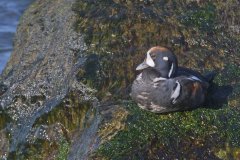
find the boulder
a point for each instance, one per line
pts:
(64, 93)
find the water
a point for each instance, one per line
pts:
(10, 12)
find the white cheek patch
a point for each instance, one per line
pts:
(176, 93)
(171, 70)
(149, 60)
(165, 58)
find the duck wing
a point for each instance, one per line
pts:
(192, 92)
(182, 71)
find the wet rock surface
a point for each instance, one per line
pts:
(64, 92)
(41, 73)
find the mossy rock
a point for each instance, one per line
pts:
(119, 33)
(198, 134)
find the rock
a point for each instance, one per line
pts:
(4, 144)
(64, 92)
(3, 89)
(42, 69)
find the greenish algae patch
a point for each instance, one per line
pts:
(41, 149)
(116, 123)
(201, 133)
(63, 150)
(228, 153)
(203, 17)
(4, 120)
(71, 113)
(54, 131)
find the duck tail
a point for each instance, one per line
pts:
(210, 76)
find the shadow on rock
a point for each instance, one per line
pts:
(218, 96)
(3, 88)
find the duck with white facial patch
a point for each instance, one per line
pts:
(168, 87)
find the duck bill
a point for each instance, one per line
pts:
(142, 66)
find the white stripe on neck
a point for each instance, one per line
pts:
(170, 72)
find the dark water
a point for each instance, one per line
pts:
(10, 12)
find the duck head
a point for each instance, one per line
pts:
(160, 59)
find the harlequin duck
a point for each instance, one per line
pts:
(167, 88)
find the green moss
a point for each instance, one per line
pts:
(111, 127)
(63, 150)
(169, 135)
(233, 73)
(71, 113)
(41, 149)
(228, 153)
(4, 119)
(70, 116)
(201, 17)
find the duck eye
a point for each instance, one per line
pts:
(165, 58)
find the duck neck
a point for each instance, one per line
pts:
(150, 74)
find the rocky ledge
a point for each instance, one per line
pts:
(64, 92)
